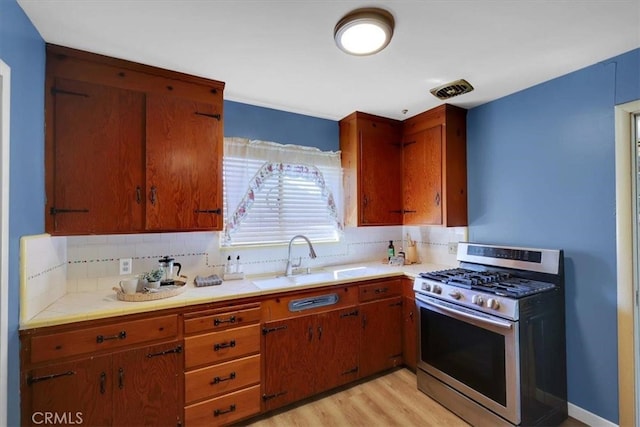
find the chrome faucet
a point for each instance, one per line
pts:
(290, 264)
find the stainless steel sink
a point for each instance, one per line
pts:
(288, 281)
(327, 276)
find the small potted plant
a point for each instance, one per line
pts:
(153, 278)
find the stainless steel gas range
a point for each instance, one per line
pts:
(492, 336)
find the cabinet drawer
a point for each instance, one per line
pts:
(106, 337)
(217, 320)
(221, 346)
(225, 409)
(379, 290)
(222, 378)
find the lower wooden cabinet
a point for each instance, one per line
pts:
(225, 409)
(133, 387)
(381, 341)
(222, 365)
(222, 378)
(309, 354)
(409, 325)
(81, 390)
(216, 366)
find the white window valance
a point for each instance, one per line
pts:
(273, 192)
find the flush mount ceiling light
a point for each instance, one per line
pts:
(364, 31)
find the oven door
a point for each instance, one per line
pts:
(472, 352)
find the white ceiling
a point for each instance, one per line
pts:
(281, 53)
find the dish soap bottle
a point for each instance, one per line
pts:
(391, 251)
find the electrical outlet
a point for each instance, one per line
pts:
(126, 265)
(453, 248)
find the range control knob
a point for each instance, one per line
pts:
(477, 300)
(455, 294)
(493, 303)
(426, 287)
(437, 289)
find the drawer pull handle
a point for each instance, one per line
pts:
(351, 313)
(33, 380)
(153, 195)
(381, 290)
(218, 322)
(216, 380)
(266, 331)
(178, 349)
(218, 412)
(103, 382)
(229, 344)
(101, 338)
(121, 378)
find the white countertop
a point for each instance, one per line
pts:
(80, 306)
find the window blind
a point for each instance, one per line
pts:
(274, 192)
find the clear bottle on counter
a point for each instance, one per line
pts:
(227, 268)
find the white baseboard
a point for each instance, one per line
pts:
(587, 417)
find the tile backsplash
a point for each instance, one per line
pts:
(43, 272)
(53, 266)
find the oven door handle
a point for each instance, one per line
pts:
(497, 323)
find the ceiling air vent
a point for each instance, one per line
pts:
(449, 90)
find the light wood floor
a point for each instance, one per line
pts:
(388, 400)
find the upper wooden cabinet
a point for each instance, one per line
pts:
(96, 173)
(434, 171)
(371, 159)
(183, 159)
(412, 172)
(129, 147)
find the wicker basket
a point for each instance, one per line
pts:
(162, 292)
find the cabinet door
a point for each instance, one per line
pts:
(76, 393)
(422, 177)
(338, 335)
(380, 189)
(381, 339)
(184, 164)
(290, 360)
(147, 386)
(409, 332)
(97, 163)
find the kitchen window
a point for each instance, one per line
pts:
(273, 192)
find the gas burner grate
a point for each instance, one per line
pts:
(495, 282)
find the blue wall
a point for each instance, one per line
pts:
(541, 172)
(22, 49)
(267, 124)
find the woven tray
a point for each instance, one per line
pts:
(162, 292)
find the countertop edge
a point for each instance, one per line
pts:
(51, 317)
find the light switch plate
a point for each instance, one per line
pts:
(453, 248)
(126, 265)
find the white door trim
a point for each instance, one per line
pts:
(5, 96)
(625, 227)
